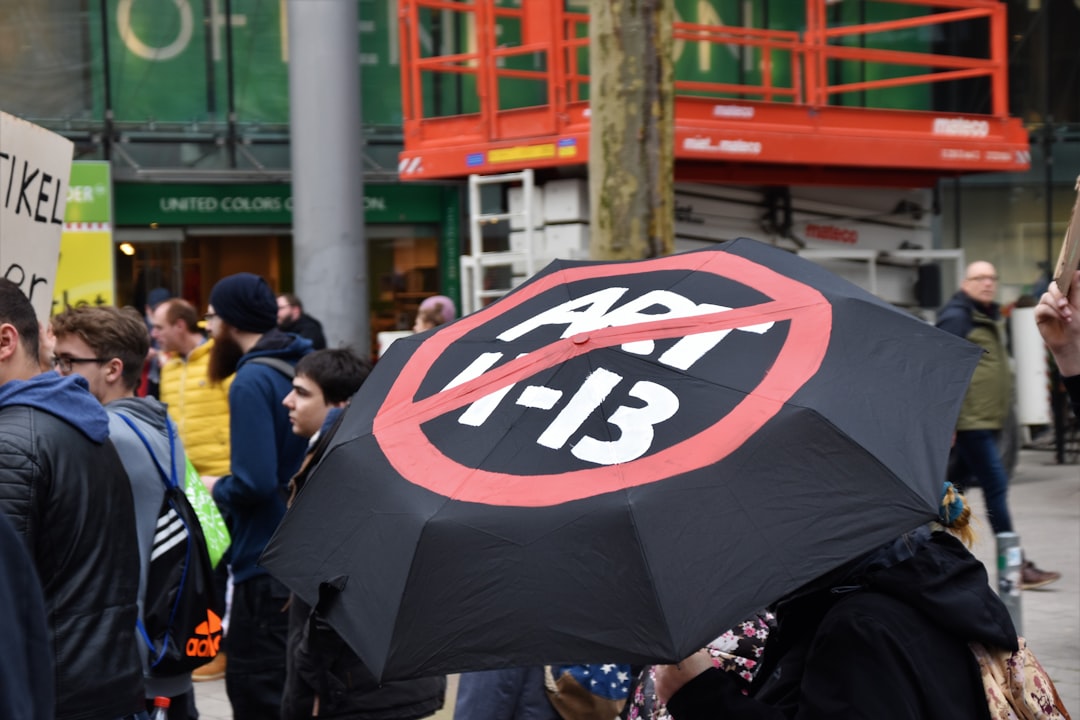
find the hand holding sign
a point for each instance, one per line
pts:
(34, 168)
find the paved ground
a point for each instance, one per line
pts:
(1045, 503)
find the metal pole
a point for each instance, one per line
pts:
(329, 249)
(106, 78)
(1010, 559)
(230, 85)
(1057, 395)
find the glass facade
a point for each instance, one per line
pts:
(178, 83)
(1018, 220)
(190, 86)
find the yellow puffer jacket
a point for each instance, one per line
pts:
(199, 409)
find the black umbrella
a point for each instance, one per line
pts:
(618, 461)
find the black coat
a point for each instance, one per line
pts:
(320, 662)
(26, 665)
(70, 500)
(307, 327)
(891, 644)
(1072, 386)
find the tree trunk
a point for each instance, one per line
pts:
(631, 146)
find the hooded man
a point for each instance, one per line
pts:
(265, 454)
(67, 495)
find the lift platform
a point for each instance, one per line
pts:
(495, 87)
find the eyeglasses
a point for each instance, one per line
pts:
(983, 278)
(66, 364)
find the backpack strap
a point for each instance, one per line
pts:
(170, 478)
(171, 481)
(282, 366)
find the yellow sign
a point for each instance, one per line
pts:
(85, 272)
(522, 152)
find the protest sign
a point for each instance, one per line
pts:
(34, 168)
(1069, 259)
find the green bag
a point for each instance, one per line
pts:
(213, 525)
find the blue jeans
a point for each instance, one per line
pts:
(978, 451)
(507, 694)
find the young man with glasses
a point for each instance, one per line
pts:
(973, 315)
(108, 346)
(64, 490)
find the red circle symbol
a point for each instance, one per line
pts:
(397, 425)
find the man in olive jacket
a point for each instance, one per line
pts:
(973, 315)
(66, 494)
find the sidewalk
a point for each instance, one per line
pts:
(1044, 499)
(1045, 504)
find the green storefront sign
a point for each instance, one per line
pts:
(182, 204)
(202, 204)
(88, 198)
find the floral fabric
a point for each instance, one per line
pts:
(1017, 687)
(737, 651)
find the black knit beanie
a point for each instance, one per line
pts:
(246, 302)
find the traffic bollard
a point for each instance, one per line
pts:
(1010, 559)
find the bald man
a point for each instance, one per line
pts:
(973, 315)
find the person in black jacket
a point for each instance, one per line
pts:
(324, 677)
(64, 490)
(884, 636)
(26, 667)
(292, 319)
(1058, 317)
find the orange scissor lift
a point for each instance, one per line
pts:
(806, 114)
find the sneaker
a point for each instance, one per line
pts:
(213, 670)
(1032, 577)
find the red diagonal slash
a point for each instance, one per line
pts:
(397, 425)
(563, 350)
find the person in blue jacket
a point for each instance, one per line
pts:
(265, 454)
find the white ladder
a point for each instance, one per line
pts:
(478, 287)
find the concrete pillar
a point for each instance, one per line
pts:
(329, 247)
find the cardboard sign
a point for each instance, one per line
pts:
(35, 165)
(1069, 259)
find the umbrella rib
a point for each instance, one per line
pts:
(648, 570)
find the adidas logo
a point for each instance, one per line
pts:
(206, 640)
(171, 531)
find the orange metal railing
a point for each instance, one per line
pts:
(819, 50)
(555, 41)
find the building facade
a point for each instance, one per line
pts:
(188, 103)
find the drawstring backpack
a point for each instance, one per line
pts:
(180, 623)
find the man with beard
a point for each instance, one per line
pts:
(265, 454)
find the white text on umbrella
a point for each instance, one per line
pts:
(593, 312)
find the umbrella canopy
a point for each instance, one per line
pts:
(618, 461)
